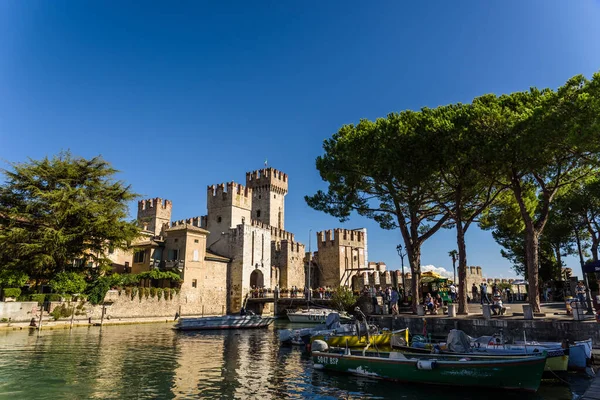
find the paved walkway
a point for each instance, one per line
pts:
(554, 310)
(592, 392)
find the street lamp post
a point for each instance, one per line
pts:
(402, 254)
(453, 254)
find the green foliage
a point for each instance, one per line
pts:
(141, 293)
(344, 299)
(61, 311)
(62, 213)
(98, 289)
(68, 282)
(152, 292)
(168, 294)
(11, 292)
(134, 292)
(159, 293)
(146, 292)
(54, 297)
(12, 277)
(4, 320)
(40, 298)
(158, 275)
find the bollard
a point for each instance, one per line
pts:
(420, 310)
(487, 311)
(452, 310)
(527, 311)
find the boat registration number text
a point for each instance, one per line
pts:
(327, 360)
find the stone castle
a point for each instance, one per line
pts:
(240, 243)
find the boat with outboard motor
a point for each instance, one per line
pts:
(359, 334)
(460, 343)
(518, 373)
(314, 315)
(302, 336)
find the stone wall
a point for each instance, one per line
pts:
(18, 311)
(540, 330)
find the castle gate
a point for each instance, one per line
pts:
(257, 279)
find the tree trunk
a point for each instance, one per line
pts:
(559, 261)
(594, 248)
(463, 307)
(415, 267)
(531, 251)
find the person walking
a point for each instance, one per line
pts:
(394, 297)
(453, 293)
(484, 294)
(474, 292)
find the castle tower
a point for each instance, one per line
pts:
(153, 214)
(229, 205)
(269, 187)
(341, 254)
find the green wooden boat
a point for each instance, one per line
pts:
(476, 371)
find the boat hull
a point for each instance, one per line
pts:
(382, 339)
(512, 374)
(225, 322)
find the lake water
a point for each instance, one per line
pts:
(155, 362)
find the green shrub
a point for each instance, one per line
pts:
(61, 311)
(152, 292)
(39, 297)
(54, 297)
(167, 293)
(128, 291)
(146, 292)
(4, 320)
(12, 292)
(68, 282)
(134, 292)
(159, 293)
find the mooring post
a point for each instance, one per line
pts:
(41, 316)
(72, 317)
(203, 310)
(103, 311)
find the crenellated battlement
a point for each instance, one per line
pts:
(229, 194)
(280, 234)
(292, 246)
(259, 224)
(341, 237)
(194, 221)
(268, 178)
(226, 189)
(150, 205)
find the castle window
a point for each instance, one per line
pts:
(257, 213)
(219, 219)
(175, 240)
(259, 196)
(194, 283)
(195, 240)
(173, 255)
(274, 196)
(138, 256)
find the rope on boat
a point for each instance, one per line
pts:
(558, 377)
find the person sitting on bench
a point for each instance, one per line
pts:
(497, 307)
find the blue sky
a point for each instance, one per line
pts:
(180, 95)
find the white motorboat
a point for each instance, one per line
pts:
(224, 322)
(314, 315)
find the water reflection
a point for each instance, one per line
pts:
(153, 361)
